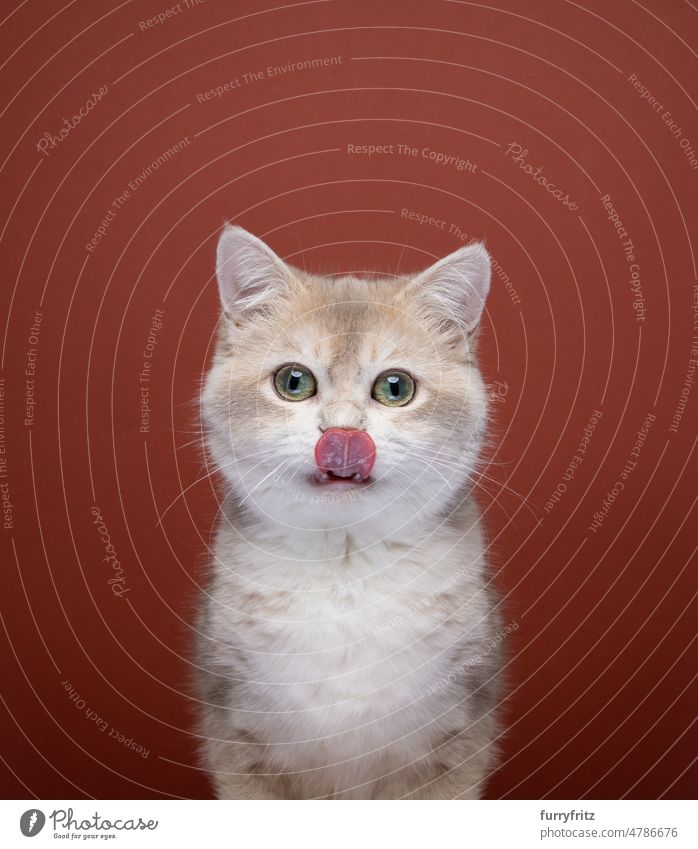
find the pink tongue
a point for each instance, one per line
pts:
(345, 453)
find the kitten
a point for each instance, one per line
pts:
(344, 638)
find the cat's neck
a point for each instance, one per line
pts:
(340, 543)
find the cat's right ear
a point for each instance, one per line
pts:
(249, 273)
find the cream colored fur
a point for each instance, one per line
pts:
(344, 640)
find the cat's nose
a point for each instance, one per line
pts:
(342, 413)
(345, 453)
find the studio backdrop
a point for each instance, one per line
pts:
(357, 137)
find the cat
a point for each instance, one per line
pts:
(345, 639)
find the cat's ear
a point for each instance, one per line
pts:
(249, 273)
(453, 290)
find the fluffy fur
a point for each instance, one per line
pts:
(344, 640)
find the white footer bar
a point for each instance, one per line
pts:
(351, 825)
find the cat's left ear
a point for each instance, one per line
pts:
(453, 290)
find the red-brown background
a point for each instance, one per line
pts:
(602, 664)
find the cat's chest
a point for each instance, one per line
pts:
(370, 635)
(341, 657)
(344, 660)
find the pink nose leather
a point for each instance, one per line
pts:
(345, 453)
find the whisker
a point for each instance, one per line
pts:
(527, 502)
(214, 470)
(498, 504)
(477, 475)
(266, 477)
(199, 438)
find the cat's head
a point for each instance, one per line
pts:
(340, 401)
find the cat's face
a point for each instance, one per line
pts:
(336, 402)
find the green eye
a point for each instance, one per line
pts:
(294, 383)
(393, 388)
